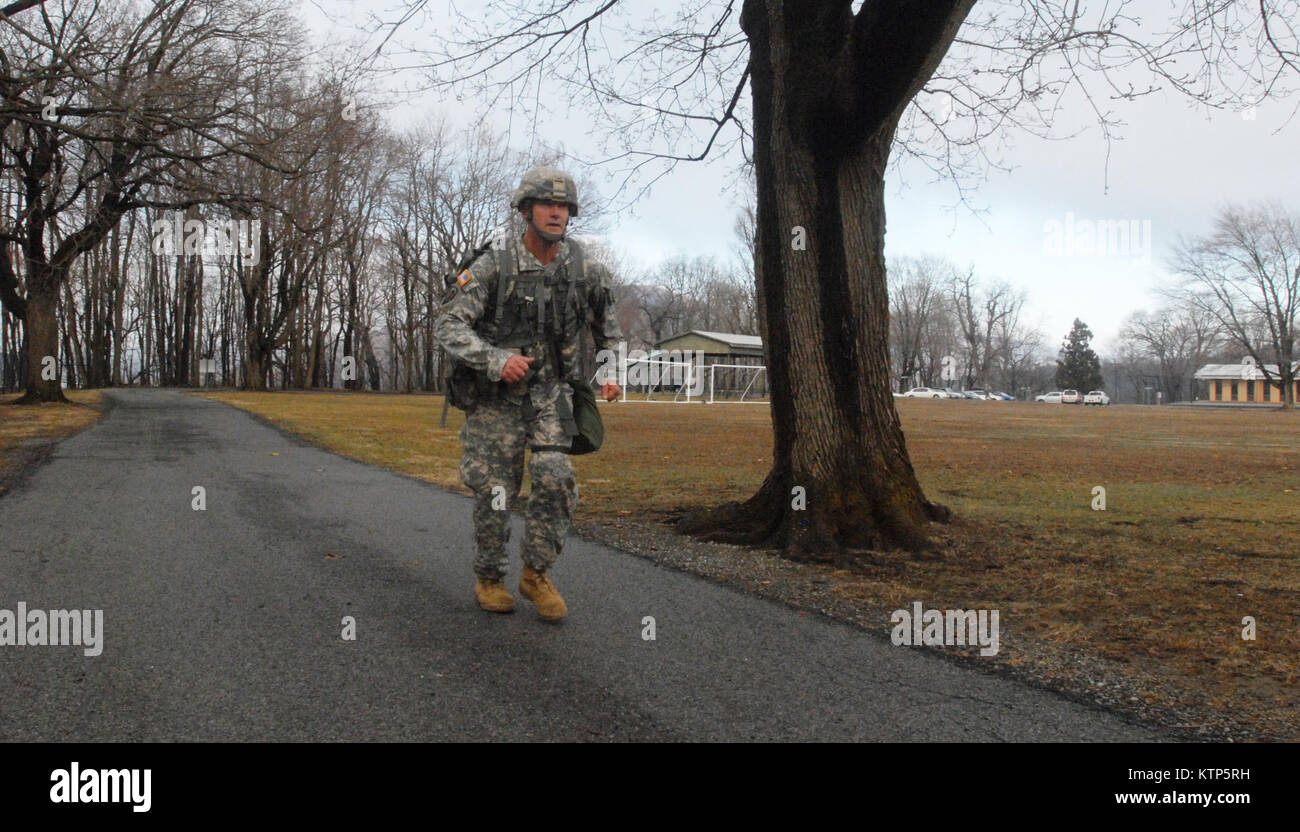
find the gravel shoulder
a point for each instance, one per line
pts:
(1126, 690)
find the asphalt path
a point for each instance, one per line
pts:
(227, 624)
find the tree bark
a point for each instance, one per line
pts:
(821, 143)
(42, 328)
(74, 352)
(117, 279)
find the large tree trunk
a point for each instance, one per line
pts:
(42, 326)
(255, 285)
(256, 365)
(825, 308)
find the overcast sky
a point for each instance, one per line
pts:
(1174, 167)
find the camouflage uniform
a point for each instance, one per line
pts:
(498, 429)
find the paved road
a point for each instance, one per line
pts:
(226, 624)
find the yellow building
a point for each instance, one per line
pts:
(1243, 383)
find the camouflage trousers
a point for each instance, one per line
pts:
(493, 440)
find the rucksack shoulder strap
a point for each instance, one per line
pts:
(579, 258)
(507, 265)
(578, 282)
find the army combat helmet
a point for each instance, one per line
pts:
(546, 182)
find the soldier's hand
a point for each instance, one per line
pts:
(609, 391)
(516, 367)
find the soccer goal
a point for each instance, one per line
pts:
(673, 380)
(738, 384)
(659, 380)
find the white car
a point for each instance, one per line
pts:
(925, 393)
(1050, 398)
(1096, 397)
(1070, 397)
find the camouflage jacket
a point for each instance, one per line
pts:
(462, 316)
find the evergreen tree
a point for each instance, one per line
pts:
(1078, 367)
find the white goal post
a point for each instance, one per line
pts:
(750, 393)
(651, 379)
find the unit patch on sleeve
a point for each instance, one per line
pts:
(464, 278)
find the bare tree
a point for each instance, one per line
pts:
(1018, 349)
(918, 312)
(450, 194)
(746, 233)
(1246, 276)
(666, 298)
(1179, 339)
(138, 105)
(980, 312)
(730, 302)
(365, 199)
(302, 219)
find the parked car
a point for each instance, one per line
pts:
(998, 394)
(1070, 397)
(1096, 397)
(925, 393)
(1050, 398)
(972, 394)
(952, 394)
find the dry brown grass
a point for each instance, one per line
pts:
(1200, 528)
(25, 430)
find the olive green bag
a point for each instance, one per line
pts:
(586, 413)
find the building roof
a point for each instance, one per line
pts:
(731, 339)
(1238, 372)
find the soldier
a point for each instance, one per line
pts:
(515, 319)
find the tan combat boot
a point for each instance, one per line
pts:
(538, 588)
(493, 596)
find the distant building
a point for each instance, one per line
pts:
(1242, 383)
(724, 348)
(717, 344)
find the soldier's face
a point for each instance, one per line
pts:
(550, 216)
